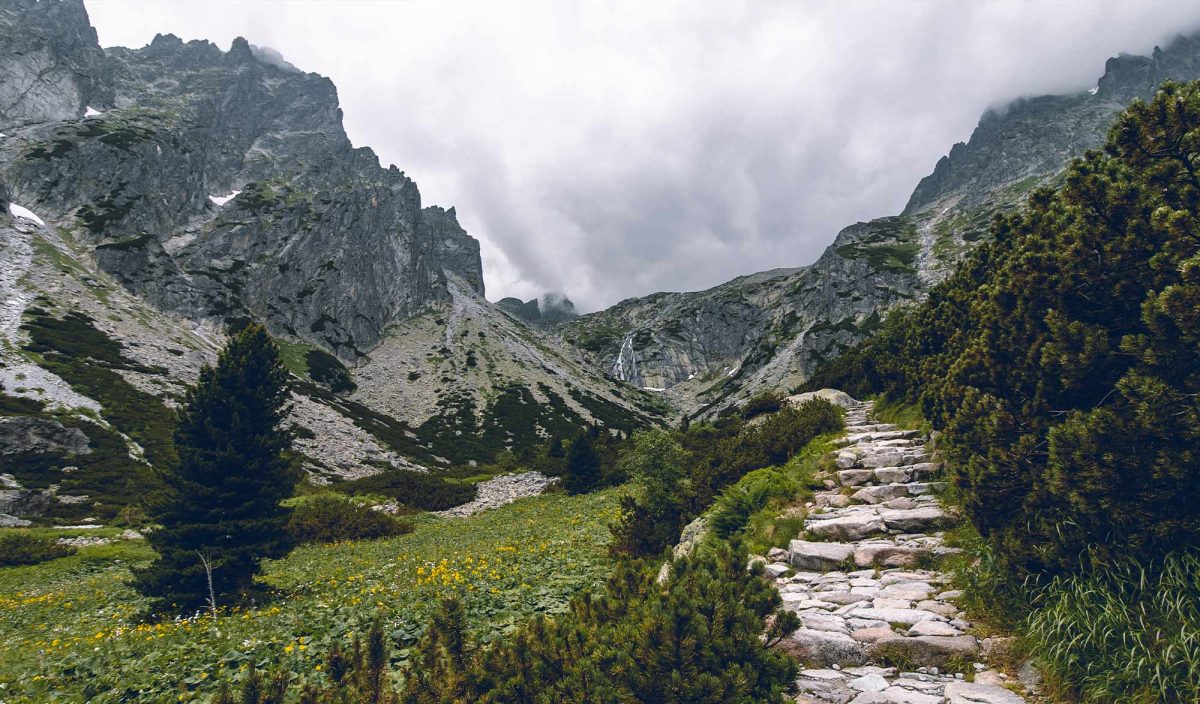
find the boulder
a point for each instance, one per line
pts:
(819, 556)
(855, 526)
(870, 635)
(824, 648)
(21, 435)
(869, 683)
(891, 475)
(887, 554)
(908, 617)
(933, 628)
(855, 477)
(881, 493)
(837, 398)
(916, 520)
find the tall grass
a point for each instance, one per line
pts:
(1125, 632)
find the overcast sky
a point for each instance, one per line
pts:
(613, 149)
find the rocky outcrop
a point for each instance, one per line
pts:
(52, 67)
(221, 185)
(864, 600)
(502, 490)
(711, 349)
(25, 435)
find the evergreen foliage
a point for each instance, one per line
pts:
(17, 548)
(425, 491)
(583, 466)
(330, 518)
(226, 487)
(1062, 359)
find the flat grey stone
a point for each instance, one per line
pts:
(973, 693)
(817, 556)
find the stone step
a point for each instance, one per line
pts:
(869, 436)
(863, 476)
(865, 520)
(848, 527)
(880, 493)
(869, 427)
(886, 611)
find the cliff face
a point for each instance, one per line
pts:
(711, 348)
(220, 184)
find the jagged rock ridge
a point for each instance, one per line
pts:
(317, 239)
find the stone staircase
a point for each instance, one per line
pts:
(862, 584)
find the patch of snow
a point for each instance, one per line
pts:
(1094, 91)
(734, 370)
(92, 112)
(652, 388)
(20, 212)
(691, 376)
(222, 200)
(2, 135)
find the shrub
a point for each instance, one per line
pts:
(766, 402)
(329, 519)
(420, 490)
(24, 549)
(682, 473)
(326, 369)
(737, 503)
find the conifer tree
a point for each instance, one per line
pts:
(583, 466)
(222, 514)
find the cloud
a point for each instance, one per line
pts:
(615, 149)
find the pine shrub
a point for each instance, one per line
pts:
(18, 548)
(330, 519)
(706, 635)
(418, 490)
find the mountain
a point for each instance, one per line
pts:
(709, 349)
(153, 197)
(550, 309)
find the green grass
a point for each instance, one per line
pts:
(751, 507)
(292, 354)
(905, 415)
(1125, 632)
(69, 629)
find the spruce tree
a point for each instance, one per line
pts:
(583, 466)
(222, 513)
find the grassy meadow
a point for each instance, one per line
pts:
(70, 629)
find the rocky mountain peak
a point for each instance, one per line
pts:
(221, 185)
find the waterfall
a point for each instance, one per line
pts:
(625, 368)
